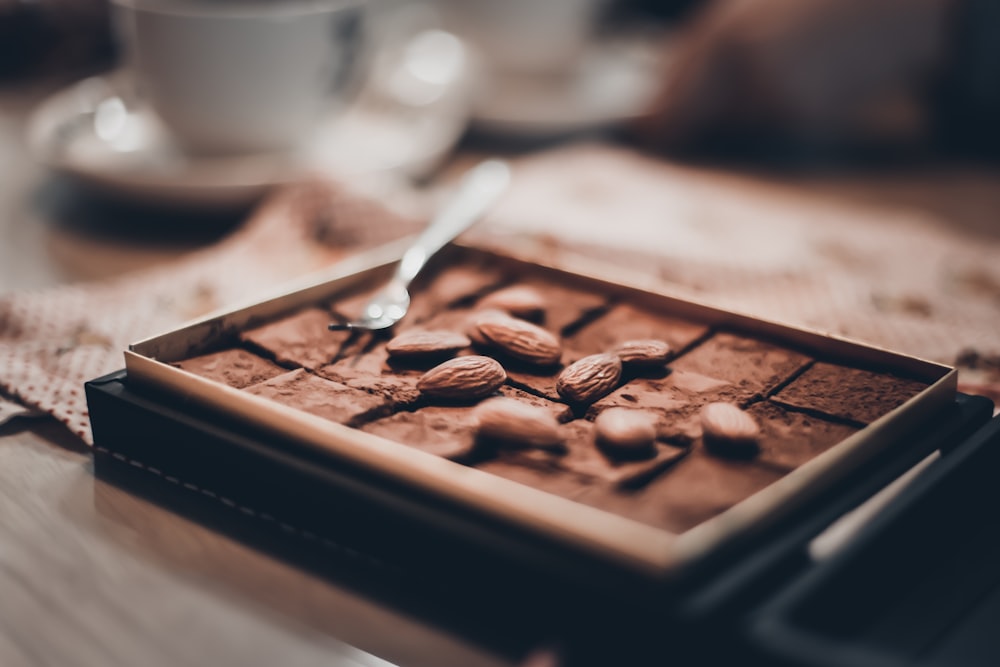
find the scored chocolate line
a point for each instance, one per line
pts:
(752, 401)
(694, 343)
(586, 317)
(510, 382)
(791, 378)
(356, 353)
(819, 414)
(471, 298)
(759, 397)
(265, 353)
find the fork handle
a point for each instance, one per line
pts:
(478, 191)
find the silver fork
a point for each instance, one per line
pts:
(479, 189)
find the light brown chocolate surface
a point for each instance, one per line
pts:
(565, 307)
(848, 393)
(696, 488)
(789, 438)
(626, 322)
(315, 395)
(234, 367)
(676, 394)
(752, 366)
(301, 339)
(373, 371)
(442, 431)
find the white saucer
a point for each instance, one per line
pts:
(402, 124)
(615, 80)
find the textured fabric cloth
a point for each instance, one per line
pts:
(903, 280)
(53, 340)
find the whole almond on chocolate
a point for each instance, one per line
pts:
(417, 343)
(518, 300)
(626, 432)
(472, 329)
(644, 353)
(510, 421)
(729, 431)
(463, 378)
(590, 378)
(518, 338)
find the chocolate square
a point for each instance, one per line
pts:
(752, 365)
(234, 367)
(693, 490)
(848, 393)
(372, 371)
(449, 432)
(301, 339)
(789, 438)
(324, 398)
(626, 322)
(510, 465)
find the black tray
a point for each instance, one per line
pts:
(499, 586)
(927, 570)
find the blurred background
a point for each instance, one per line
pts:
(768, 77)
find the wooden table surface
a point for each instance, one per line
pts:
(91, 575)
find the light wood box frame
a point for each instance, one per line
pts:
(625, 543)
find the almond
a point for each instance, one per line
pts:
(649, 352)
(625, 431)
(588, 379)
(728, 430)
(518, 300)
(422, 343)
(510, 421)
(472, 330)
(519, 339)
(464, 378)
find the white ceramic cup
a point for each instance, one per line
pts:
(242, 76)
(525, 36)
